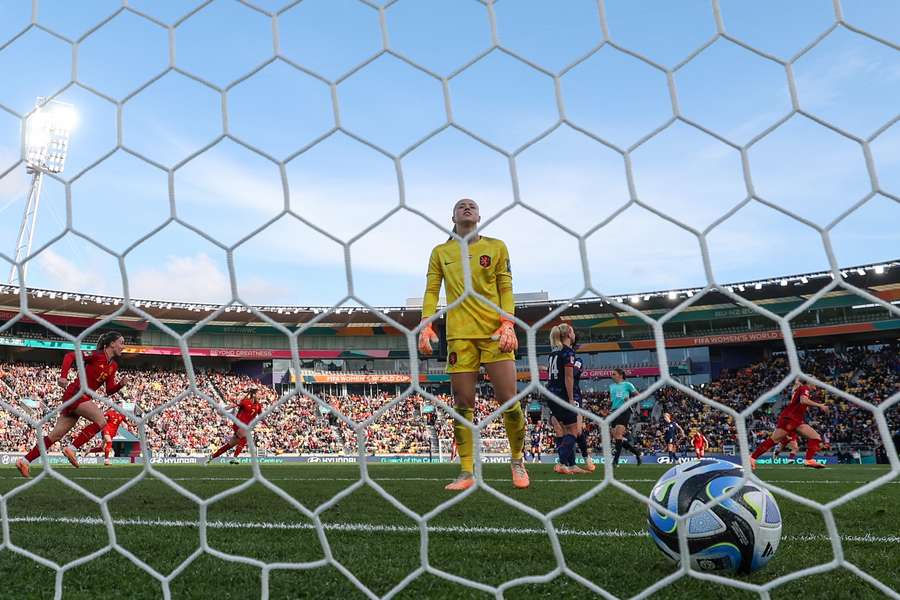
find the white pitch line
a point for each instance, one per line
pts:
(370, 528)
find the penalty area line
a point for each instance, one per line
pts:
(409, 529)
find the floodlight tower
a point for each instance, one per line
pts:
(46, 145)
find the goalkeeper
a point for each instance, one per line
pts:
(476, 335)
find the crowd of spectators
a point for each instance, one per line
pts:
(187, 423)
(871, 375)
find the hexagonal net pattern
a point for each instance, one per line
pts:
(561, 569)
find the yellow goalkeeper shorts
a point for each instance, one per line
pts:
(467, 356)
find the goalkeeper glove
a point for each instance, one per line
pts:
(427, 337)
(506, 335)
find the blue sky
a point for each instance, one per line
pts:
(342, 185)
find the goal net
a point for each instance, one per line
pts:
(620, 52)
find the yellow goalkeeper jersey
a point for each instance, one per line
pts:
(491, 277)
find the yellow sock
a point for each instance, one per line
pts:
(464, 443)
(514, 421)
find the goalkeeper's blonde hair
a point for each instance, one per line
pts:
(558, 333)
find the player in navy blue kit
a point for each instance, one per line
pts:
(581, 440)
(563, 383)
(672, 432)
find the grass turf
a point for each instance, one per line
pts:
(380, 545)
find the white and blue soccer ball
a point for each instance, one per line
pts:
(741, 534)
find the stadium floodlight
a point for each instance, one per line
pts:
(635, 299)
(47, 132)
(758, 286)
(673, 295)
(784, 283)
(861, 271)
(879, 269)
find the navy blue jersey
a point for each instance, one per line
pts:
(670, 430)
(535, 438)
(562, 359)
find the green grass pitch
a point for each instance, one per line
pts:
(480, 538)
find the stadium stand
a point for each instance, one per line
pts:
(301, 427)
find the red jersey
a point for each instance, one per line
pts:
(796, 409)
(113, 419)
(248, 409)
(700, 440)
(98, 369)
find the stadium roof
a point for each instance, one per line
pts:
(874, 277)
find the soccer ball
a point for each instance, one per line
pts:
(741, 534)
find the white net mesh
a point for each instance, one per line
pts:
(422, 520)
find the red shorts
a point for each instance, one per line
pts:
(110, 431)
(69, 411)
(789, 423)
(237, 430)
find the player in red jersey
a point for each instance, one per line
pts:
(247, 409)
(100, 367)
(791, 420)
(114, 419)
(788, 443)
(700, 443)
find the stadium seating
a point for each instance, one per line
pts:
(192, 426)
